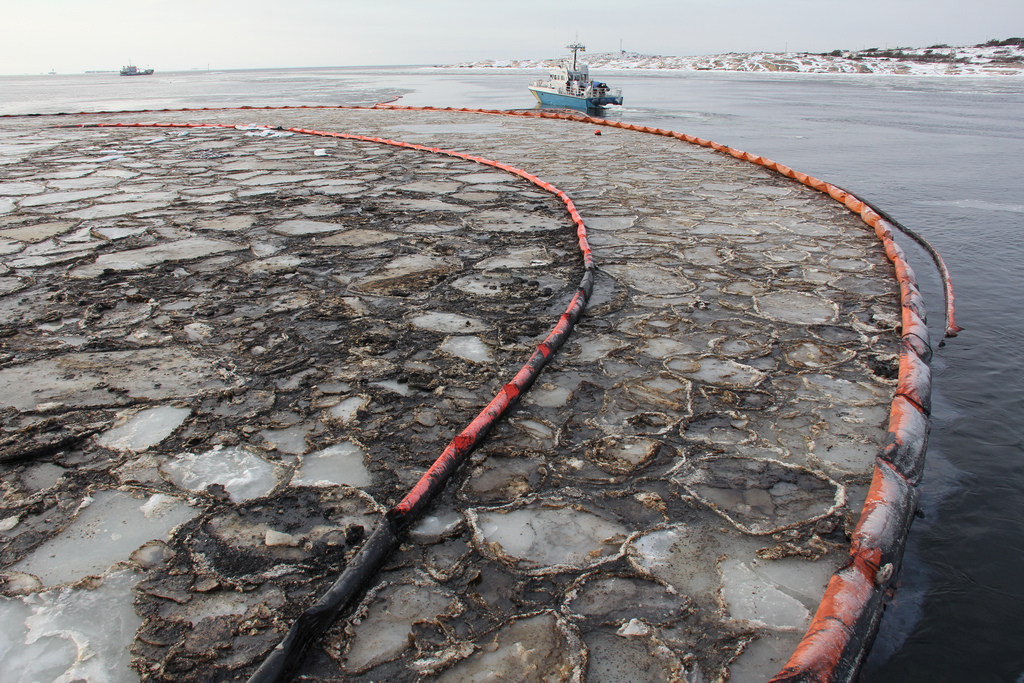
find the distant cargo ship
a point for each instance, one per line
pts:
(135, 71)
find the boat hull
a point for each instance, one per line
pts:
(554, 99)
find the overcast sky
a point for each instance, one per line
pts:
(77, 35)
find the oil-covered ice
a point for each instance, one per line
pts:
(223, 356)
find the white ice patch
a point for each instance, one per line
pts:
(468, 348)
(387, 629)
(146, 257)
(70, 634)
(335, 465)
(347, 409)
(432, 528)
(797, 308)
(438, 321)
(79, 379)
(749, 596)
(109, 526)
(144, 429)
(681, 556)
(242, 473)
(726, 373)
(291, 440)
(529, 257)
(299, 227)
(394, 386)
(545, 539)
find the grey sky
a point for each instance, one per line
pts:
(76, 35)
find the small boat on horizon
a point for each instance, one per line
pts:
(571, 86)
(135, 71)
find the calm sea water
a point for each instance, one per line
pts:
(943, 155)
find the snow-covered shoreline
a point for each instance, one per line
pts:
(997, 60)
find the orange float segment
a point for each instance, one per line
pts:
(907, 440)
(893, 250)
(904, 272)
(855, 205)
(920, 346)
(915, 378)
(883, 230)
(869, 216)
(884, 522)
(829, 648)
(913, 299)
(913, 324)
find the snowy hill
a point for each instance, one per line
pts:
(995, 58)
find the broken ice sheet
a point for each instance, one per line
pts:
(439, 321)
(71, 634)
(844, 391)
(614, 658)
(145, 257)
(534, 649)
(765, 656)
(762, 496)
(472, 349)
(797, 308)
(596, 348)
(651, 279)
(726, 373)
(623, 454)
(38, 232)
(529, 257)
(433, 528)
(144, 429)
(502, 479)
(497, 220)
(845, 454)
(621, 599)
(242, 473)
(751, 596)
(220, 603)
(291, 440)
(383, 628)
(546, 539)
(335, 465)
(80, 378)
(109, 526)
(682, 555)
(408, 275)
(347, 410)
(300, 227)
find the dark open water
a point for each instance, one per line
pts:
(944, 155)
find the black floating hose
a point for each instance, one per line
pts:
(951, 328)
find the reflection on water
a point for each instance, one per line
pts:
(940, 154)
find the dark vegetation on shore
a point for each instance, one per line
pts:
(934, 53)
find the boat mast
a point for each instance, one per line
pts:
(574, 47)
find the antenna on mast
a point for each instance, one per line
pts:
(576, 47)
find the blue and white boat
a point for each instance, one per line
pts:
(570, 86)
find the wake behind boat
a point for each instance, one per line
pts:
(570, 86)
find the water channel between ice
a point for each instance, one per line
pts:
(231, 350)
